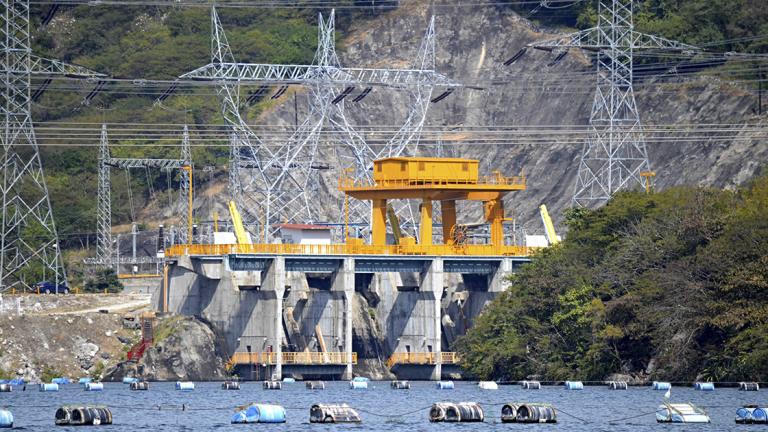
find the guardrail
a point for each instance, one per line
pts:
(291, 358)
(421, 358)
(352, 184)
(348, 249)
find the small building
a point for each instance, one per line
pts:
(306, 234)
(420, 170)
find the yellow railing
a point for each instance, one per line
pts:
(421, 358)
(291, 358)
(352, 184)
(348, 249)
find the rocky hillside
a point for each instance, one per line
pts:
(472, 45)
(47, 336)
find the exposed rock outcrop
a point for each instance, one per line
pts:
(185, 348)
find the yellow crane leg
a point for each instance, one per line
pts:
(425, 224)
(379, 222)
(448, 210)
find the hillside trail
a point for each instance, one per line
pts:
(140, 303)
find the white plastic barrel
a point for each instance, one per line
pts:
(49, 387)
(574, 385)
(185, 385)
(94, 386)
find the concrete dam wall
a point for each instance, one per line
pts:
(332, 317)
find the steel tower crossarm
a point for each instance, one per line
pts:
(44, 66)
(321, 75)
(595, 39)
(164, 164)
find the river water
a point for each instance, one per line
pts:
(381, 408)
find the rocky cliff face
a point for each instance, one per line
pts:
(473, 43)
(184, 349)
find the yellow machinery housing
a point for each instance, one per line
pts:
(433, 179)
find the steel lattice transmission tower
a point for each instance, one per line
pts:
(105, 251)
(615, 153)
(274, 182)
(29, 243)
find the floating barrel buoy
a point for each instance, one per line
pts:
(704, 386)
(273, 385)
(528, 413)
(681, 413)
(139, 385)
(60, 381)
(358, 385)
(574, 385)
(6, 419)
(617, 385)
(185, 385)
(289, 380)
(400, 385)
(456, 412)
(84, 380)
(83, 415)
(530, 385)
(361, 379)
(320, 413)
(260, 413)
(315, 385)
(130, 380)
(752, 414)
(488, 385)
(661, 385)
(445, 385)
(94, 386)
(5, 388)
(230, 385)
(49, 387)
(749, 386)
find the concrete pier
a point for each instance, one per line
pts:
(275, 311)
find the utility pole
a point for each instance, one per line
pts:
(614, 155)
(26, 205)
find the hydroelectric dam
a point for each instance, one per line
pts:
(286, 309)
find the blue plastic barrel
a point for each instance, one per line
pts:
(260, 413)
(263, 413)
(574, 385)
(60, 381)
(92, 386)
(49, 387)
(661, 385)
(445, 385)
(130, 380)
(361, 379)
(744, 414)
(6, 419)
(358, 385)
(289, 380)
(704, 386)
(185, 385)
(760, 415)
(84, 380)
